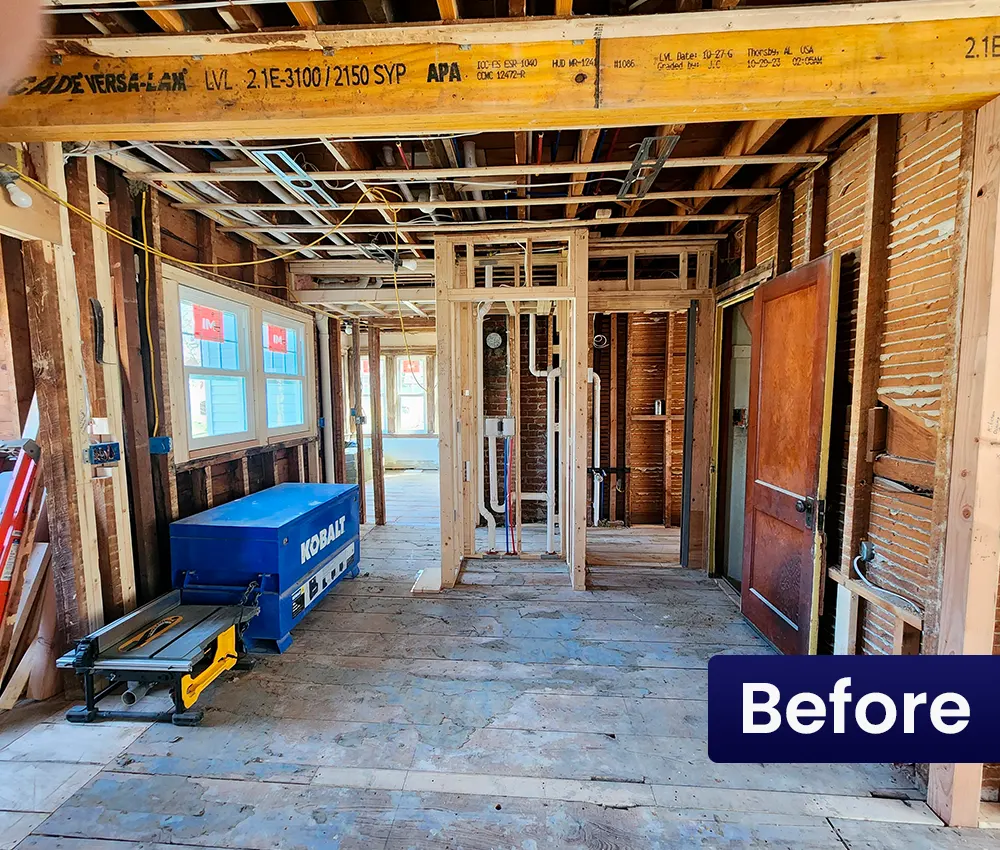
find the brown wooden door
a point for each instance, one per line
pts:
(791, 382)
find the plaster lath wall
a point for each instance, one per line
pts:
(767, 234)
(920, 296)
(800, 221)
(915, 357)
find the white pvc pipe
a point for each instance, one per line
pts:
(532, 357)
(469, 148)
(495, 502)
(491, 523)
(595, 379)
(550, 449)
(325, 395)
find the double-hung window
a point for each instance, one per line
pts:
(284, 372)
(411, 391)
(217, 369)
(240, 368)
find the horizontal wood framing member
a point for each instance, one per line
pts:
(474, 174)
(478, 227)
(485, 203)
(594, 72)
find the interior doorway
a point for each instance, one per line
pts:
(732, 423)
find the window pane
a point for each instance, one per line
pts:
(284, 403)
(281, 349)
(411, 375)
(209, 337)
(412, 414)
(218, 405)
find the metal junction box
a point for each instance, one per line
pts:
(295, 541)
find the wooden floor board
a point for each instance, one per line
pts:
(512, 712)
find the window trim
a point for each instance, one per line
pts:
(184, 447)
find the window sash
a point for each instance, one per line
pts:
(244, 354)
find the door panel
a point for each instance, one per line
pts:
(791, 382)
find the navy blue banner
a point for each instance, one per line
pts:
(854, 708)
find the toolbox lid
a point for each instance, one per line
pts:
(268, 509)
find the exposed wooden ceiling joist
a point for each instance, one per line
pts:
(448, 10)
(462, 175)
(306, 14)
(585, 147)
(820, 137)
(168, 20)
(749, 138)
(464, 227)
(488, 203)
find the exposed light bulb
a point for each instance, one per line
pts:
(409, 265)
(18, 197)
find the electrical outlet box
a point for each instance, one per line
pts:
(499, 426)
(160, 445)
(103, 454)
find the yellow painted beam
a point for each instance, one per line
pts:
(716, 66)
(564, 8)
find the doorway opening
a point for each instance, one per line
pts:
(731, 424)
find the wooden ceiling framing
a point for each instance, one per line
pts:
(715, 176)
(115, 17)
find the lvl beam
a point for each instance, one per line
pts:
(492, 76)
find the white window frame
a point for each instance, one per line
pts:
(270, 316)
(244, 371)
(256, 310)
(400, 395)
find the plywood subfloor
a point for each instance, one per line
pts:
(510, 713)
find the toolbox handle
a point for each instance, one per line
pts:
(267, 582)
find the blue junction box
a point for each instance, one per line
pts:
(295, 540)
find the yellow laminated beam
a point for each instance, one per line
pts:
(719, 66)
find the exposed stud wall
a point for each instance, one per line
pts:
(848, 176)
(644, 384)
(677, 378)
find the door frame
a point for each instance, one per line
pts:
(713, 486)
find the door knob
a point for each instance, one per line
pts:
(801, 506)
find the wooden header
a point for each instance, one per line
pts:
(777, 63)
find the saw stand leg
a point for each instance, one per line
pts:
(86, 713)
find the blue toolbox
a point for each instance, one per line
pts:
(281, 549)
